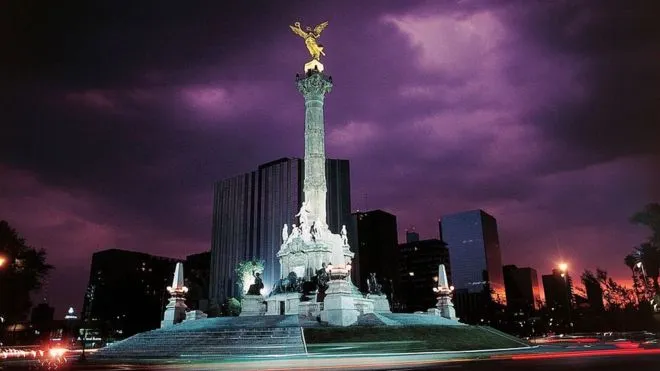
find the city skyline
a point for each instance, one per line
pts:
(117, 134)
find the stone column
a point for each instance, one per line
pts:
(313, 86)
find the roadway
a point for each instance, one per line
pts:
(544, 358)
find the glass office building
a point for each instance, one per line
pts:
(474, 252)
(250, 210)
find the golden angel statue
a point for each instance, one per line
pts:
(310, 37)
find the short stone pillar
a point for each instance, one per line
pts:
(175, 311)
(446, 307)
(253, 305)
(309, 309)
(194, 315)
(381, 304)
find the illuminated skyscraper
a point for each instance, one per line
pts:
(476, 263)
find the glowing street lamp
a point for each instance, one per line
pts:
(3, 260)
(563, 267)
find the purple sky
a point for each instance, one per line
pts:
(120, 118)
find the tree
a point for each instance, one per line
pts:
(622, 310)
(245, 271)
(639, 282)
(616, 296)
(233, 307)
(23, 272)
(649, 256)
(649, 252)
(650, 217)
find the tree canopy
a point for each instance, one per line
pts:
(23, 271)
(245, 271)
(648, 253)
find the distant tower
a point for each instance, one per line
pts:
(474, 251)
(411, 235)
(476, 263)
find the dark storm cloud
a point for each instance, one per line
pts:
(617, 44)
(121, 116)
(104, 141)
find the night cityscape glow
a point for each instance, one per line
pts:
(420, 183)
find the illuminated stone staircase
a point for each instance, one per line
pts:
(222, 337)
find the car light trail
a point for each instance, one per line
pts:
(583, 353)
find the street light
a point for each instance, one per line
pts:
(563, 267)
(2, 261)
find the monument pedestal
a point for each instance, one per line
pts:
(445, 308)
(339, 305)
(310, 309)
(313, 65)
(253, 305)
(282, 304)
(381, 304)
(175, 312)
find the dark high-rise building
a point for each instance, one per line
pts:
(375, 248)
(411, 236)
(558, 289)
(128, 291)
(197, 274)
(249, 213)
(474, 251)
(418, 274)
(42, 320)
(594, 295)
(522, 289)
(338, 200)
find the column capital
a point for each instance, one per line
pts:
(314, 85)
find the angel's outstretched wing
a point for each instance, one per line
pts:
(318, 29)
(298, 31)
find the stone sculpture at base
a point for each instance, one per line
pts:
(380, 302)
(255, 288)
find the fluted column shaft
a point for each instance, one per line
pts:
(313, 87)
